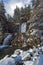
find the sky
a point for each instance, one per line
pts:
(10, 5)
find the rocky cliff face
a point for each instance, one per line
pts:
(0, 32)
(36, 22)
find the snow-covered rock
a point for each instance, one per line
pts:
(36, 59)
(28, 62)
(7, 61)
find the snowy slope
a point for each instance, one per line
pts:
(7, 61)
(38, 60)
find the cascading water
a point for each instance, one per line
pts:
(7, 39)
(6, 44)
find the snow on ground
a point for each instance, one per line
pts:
(28, 62)
(35, 60)
(7, 61)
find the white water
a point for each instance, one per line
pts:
(7, 39)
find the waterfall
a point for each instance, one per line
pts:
(7, 39)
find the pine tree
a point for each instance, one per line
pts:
(28, 12)
(3, 17)
(2, 9)
(22, 12)
(35, 3)
(16, 15)
(25, 12)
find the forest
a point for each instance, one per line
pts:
(24, 30)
